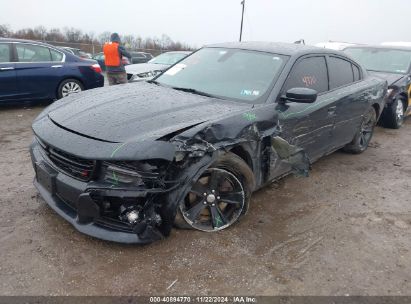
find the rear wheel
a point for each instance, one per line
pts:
(364, 134)
(69, 86)
(219, 197)
(393, 116)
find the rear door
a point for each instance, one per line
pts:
(8, 82)
(345, 82)
(38, 70)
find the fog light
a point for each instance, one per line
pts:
(132, 216)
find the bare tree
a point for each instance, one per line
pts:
(5, 30)
(90, 41)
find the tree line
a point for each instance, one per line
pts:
(91, 42)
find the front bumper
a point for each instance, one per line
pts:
(90, 229)
(75, 201)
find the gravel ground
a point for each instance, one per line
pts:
(344, 230)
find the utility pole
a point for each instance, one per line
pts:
(242, 18)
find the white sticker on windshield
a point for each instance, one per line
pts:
(250, 92)
(276, 58)
(175, 69)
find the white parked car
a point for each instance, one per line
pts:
(334, 45)
(147, 71)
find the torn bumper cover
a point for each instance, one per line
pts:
(113, 206)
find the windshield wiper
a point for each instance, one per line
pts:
(193, 91)
(153, 82)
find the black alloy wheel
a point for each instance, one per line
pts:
(215, 201)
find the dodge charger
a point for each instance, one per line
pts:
(188, 148)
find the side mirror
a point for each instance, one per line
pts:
(302, 95)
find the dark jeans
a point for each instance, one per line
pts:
(116, 78)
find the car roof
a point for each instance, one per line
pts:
(382, 47)
(36, 42)
(282, 48)
(70, 48)
(24, 41)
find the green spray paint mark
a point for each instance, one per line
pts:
(218, 221)
(250, 116)
(118, 148)
(115, 179)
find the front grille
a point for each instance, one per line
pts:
(71, 165)
(74, 166)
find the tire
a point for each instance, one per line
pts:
(69, 86)
(208, 209)
(364, 134)
(393, 116)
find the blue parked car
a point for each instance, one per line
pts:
(32, 71)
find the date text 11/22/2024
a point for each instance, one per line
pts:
(203, 299)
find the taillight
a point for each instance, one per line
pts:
(96, 67)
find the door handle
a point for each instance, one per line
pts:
(331, 110)
(57, 66)
(6, 69)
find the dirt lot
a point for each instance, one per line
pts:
(344, 230)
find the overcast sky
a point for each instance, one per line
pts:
(208, 21)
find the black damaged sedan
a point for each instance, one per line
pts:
(126, 163)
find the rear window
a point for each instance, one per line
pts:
(56, 56)
(356, 70)
(138, 55)
(341, 72)
(4, 52)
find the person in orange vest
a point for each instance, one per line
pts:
(113, 54)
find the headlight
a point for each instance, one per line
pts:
(122, 176)
(389, 94)
(145, 75)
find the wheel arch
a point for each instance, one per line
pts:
(241, 152)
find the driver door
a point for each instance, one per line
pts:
(308, 126)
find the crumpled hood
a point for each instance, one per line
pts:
(144, 68)
(390, 77)
(137, 112)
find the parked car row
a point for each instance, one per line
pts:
(189, 147)
(31, 71)
(99, 57)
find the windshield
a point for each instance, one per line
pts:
(168, 58)
(382, 60)
(228, 73)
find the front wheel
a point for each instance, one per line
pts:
(69, 86)
(364, 134)
(219, 197)
(393, 115)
